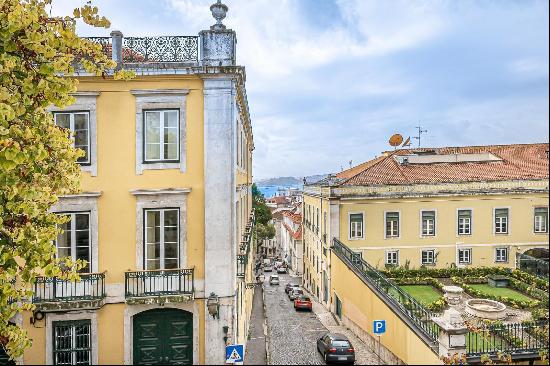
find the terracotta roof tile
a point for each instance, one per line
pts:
(529, 161)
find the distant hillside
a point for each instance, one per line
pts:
(290, 181)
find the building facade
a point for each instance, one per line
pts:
(291, 239)
(165, 216)
(445, 207)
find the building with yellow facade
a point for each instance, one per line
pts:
(165, 217)
(443, 207)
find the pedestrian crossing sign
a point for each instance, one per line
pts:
(234, 354)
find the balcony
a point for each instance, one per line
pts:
(55, 294)
(245, 246)
(161, 286)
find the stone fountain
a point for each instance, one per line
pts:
(486, 309)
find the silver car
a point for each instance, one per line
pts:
(295, 293)
(274, 280)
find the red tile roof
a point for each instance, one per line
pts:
(295, 217)
(296, 235)
(529, 161)
(279, 200)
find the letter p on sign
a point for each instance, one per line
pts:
(379, 327)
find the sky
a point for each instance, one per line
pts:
(330, 81)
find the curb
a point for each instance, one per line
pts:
(267, 353)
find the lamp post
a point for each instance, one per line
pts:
(213, 305)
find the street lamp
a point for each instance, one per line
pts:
(213, 305)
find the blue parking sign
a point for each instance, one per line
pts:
(234, 354)
(379, 327)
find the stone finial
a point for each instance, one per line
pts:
(219, 12)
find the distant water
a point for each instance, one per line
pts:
(271, 191)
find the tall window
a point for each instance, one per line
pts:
(428, 223)
(161, 136)
(356, 226)
(465, 256)
(541, 220)
(79, 124)
(75, 241)
(72, 343)
(465, 222)
(501, 220)
(392, 258)
(428, 256)
(392, 224)
(161, 239)
(501, 255)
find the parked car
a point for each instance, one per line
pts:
(336, 348)
(289, 286)
(274, 280)
(295, 293)
(268, 269)
(278, 264)
(303, 303)
(281, 270)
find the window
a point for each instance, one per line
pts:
(501, 220)
(501, 255)
(356, 226)
(541, 220)
(464, 222)
(392, 258)
(428, 256)
(161, 239)
(392, 224)
(72, 343)
(74, 242)
(161, 136)
(79, 124)
(428, 223)
(465, 256)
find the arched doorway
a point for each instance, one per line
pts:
(163, 337)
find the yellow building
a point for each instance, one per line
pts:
(468, 206)
(165, 215)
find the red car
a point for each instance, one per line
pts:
(303, 303)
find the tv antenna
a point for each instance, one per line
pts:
(421, 131)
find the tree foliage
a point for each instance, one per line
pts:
(264, 229)
(38, 54)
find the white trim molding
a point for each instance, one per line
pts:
(508, 223)
(421, 234)
(363, 224)
(458, 235)
(400, 220)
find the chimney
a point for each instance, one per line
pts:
(219, 44)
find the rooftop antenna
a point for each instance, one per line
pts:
(421, 131)
(351, 164)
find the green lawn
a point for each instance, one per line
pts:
(501, 291)
(423, 293)
(477, 343)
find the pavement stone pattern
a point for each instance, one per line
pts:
(256, 346)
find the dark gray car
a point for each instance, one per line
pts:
(336, 348)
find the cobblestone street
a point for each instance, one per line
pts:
(292, 335)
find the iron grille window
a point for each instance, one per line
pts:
(428, 223)
(392, 258)
(428, 256)
(72, 343)
(501, 220)
(161, 239)
(392, 224)
(79, 124)
(338, 307)
(501, 255)
(541, 220)
(465, 256)
(161, 136)
(74, 242)
(356, 226)
(464, 222)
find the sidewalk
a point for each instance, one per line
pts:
(256, 346)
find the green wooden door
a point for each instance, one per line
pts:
(163, 337)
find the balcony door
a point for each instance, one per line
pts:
(162, 248)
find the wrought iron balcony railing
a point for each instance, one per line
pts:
(163, 49)
(159, 283)
(91, 287)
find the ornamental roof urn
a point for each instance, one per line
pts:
(219, 12)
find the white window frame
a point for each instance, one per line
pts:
(386, 224)
(162, 257)
(434, 228)
(466, 250)
(72, 115)
(392, 253)
(470, 225)
(498, 258)
(162, 128)
(362, 226)
(545, 222)
(73, 236)
(422, 257)
(508, 220)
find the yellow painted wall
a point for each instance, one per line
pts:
(410, 242)
(361, 306)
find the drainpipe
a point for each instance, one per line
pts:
(116, 44)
